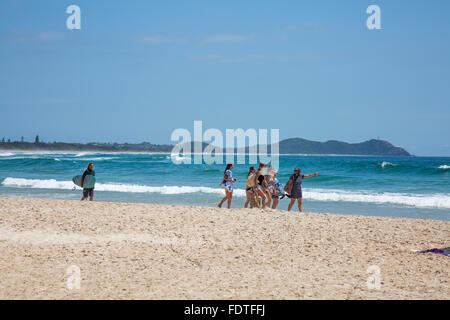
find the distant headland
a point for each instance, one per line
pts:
(374, 147)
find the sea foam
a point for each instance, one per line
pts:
(441, 201)
(417, 200)
(385, 164)
(6, 154)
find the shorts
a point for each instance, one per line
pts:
(227, 186)
(88, 192)
(251, 189)
(275, 196)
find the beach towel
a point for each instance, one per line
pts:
(443, 251)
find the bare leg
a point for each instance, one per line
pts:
(300, 207)
(222, 201)
(275, 203)
(249, 195)
(225, 198)
(230, 197)
(291, 204)
(263, 198)
(269, 198)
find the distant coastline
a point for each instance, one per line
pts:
(293, 146)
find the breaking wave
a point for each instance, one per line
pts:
(386, 164)
(441, 201)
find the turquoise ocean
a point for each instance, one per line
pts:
(411, 187)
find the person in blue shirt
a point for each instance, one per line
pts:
(227, 184)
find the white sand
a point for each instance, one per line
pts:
(142, 251)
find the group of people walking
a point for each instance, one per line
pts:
(263, 190)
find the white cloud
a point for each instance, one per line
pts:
(37, 101)
(214, 39)
(288, 31)
(50, 36)
(225, 38)
(158, 39)
(256, 57)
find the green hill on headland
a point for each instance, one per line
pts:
(371, 147)
(289, 146)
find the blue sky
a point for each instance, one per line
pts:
(137, 70)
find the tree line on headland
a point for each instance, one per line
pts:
(374, 147)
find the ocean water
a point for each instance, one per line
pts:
(412, 187)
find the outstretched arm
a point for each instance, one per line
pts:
(311, 175)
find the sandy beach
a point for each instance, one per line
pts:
(146, 251)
